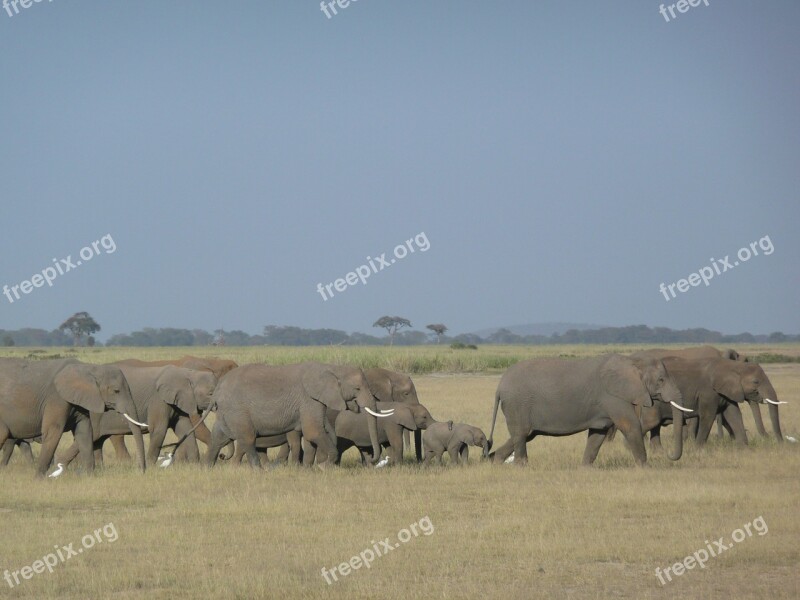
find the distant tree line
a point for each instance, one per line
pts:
(274, 335)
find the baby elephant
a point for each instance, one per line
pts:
(456, 438)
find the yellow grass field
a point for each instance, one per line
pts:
(549, 530)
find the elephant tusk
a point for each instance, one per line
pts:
(776, 403)
(134, 422)
(379, 414)
(679, 407)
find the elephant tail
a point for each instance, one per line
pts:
(494, 419)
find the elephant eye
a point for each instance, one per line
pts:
(116, 391)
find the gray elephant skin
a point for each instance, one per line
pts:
(45, 398)
(453, 438)
(559, 397)
(165, 397)
(262, 400)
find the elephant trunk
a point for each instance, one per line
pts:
(776, 421)
(677, 428)
(365, 399)
(418, 444)
(127, 408)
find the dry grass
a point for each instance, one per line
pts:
(549, 530)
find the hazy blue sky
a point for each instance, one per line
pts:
(563, 158)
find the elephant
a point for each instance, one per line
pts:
(558, 397)
(46, 397)
(701, 352)
(389, 386)
(262, 400)
(711, 386)
(218, 366)
(164, 397)
(455, 438)
(351, 429)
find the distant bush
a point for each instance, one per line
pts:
(463, 346)
(773, 358)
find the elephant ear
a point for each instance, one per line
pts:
(321, 384)
(622, 378)
(173, 388)
(76, 385)
(380, 384)
(404, 417)
(728, 384)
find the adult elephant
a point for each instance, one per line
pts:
(165, 397)
(704, 352)
(218, 366)
(558, 397)
(45, 398)
(261, 400)
(389, 386)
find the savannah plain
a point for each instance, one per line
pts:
(549, 530)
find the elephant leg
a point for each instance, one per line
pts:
(312, 424)
(191, 452)
(429, 456)
(395, 436)
(295, 446)
(756, 410)
(309, 452)
(502, 453)
(691, 427)
(218, 439)
(157, 434)
(52, 430)
(406, 438)
(98, 454)
(720, 426)
(283, 453)
(453, 452)
(733, 416)
(632, 430)
(704, 426)
(655, 439)
(25, 449)
(120, 449)
(69, 454)
(594, 440)
(521, 449)
(8, 450)
(463, 456)
(83, 437)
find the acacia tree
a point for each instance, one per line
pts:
(438, 329)
(80, 324)
(391, 325)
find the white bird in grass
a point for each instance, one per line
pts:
(791, 439)
(383, 462)
(510, 459)
(167, 461)
(58, 471)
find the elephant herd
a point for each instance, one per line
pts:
(314, 412)
(636, 394)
